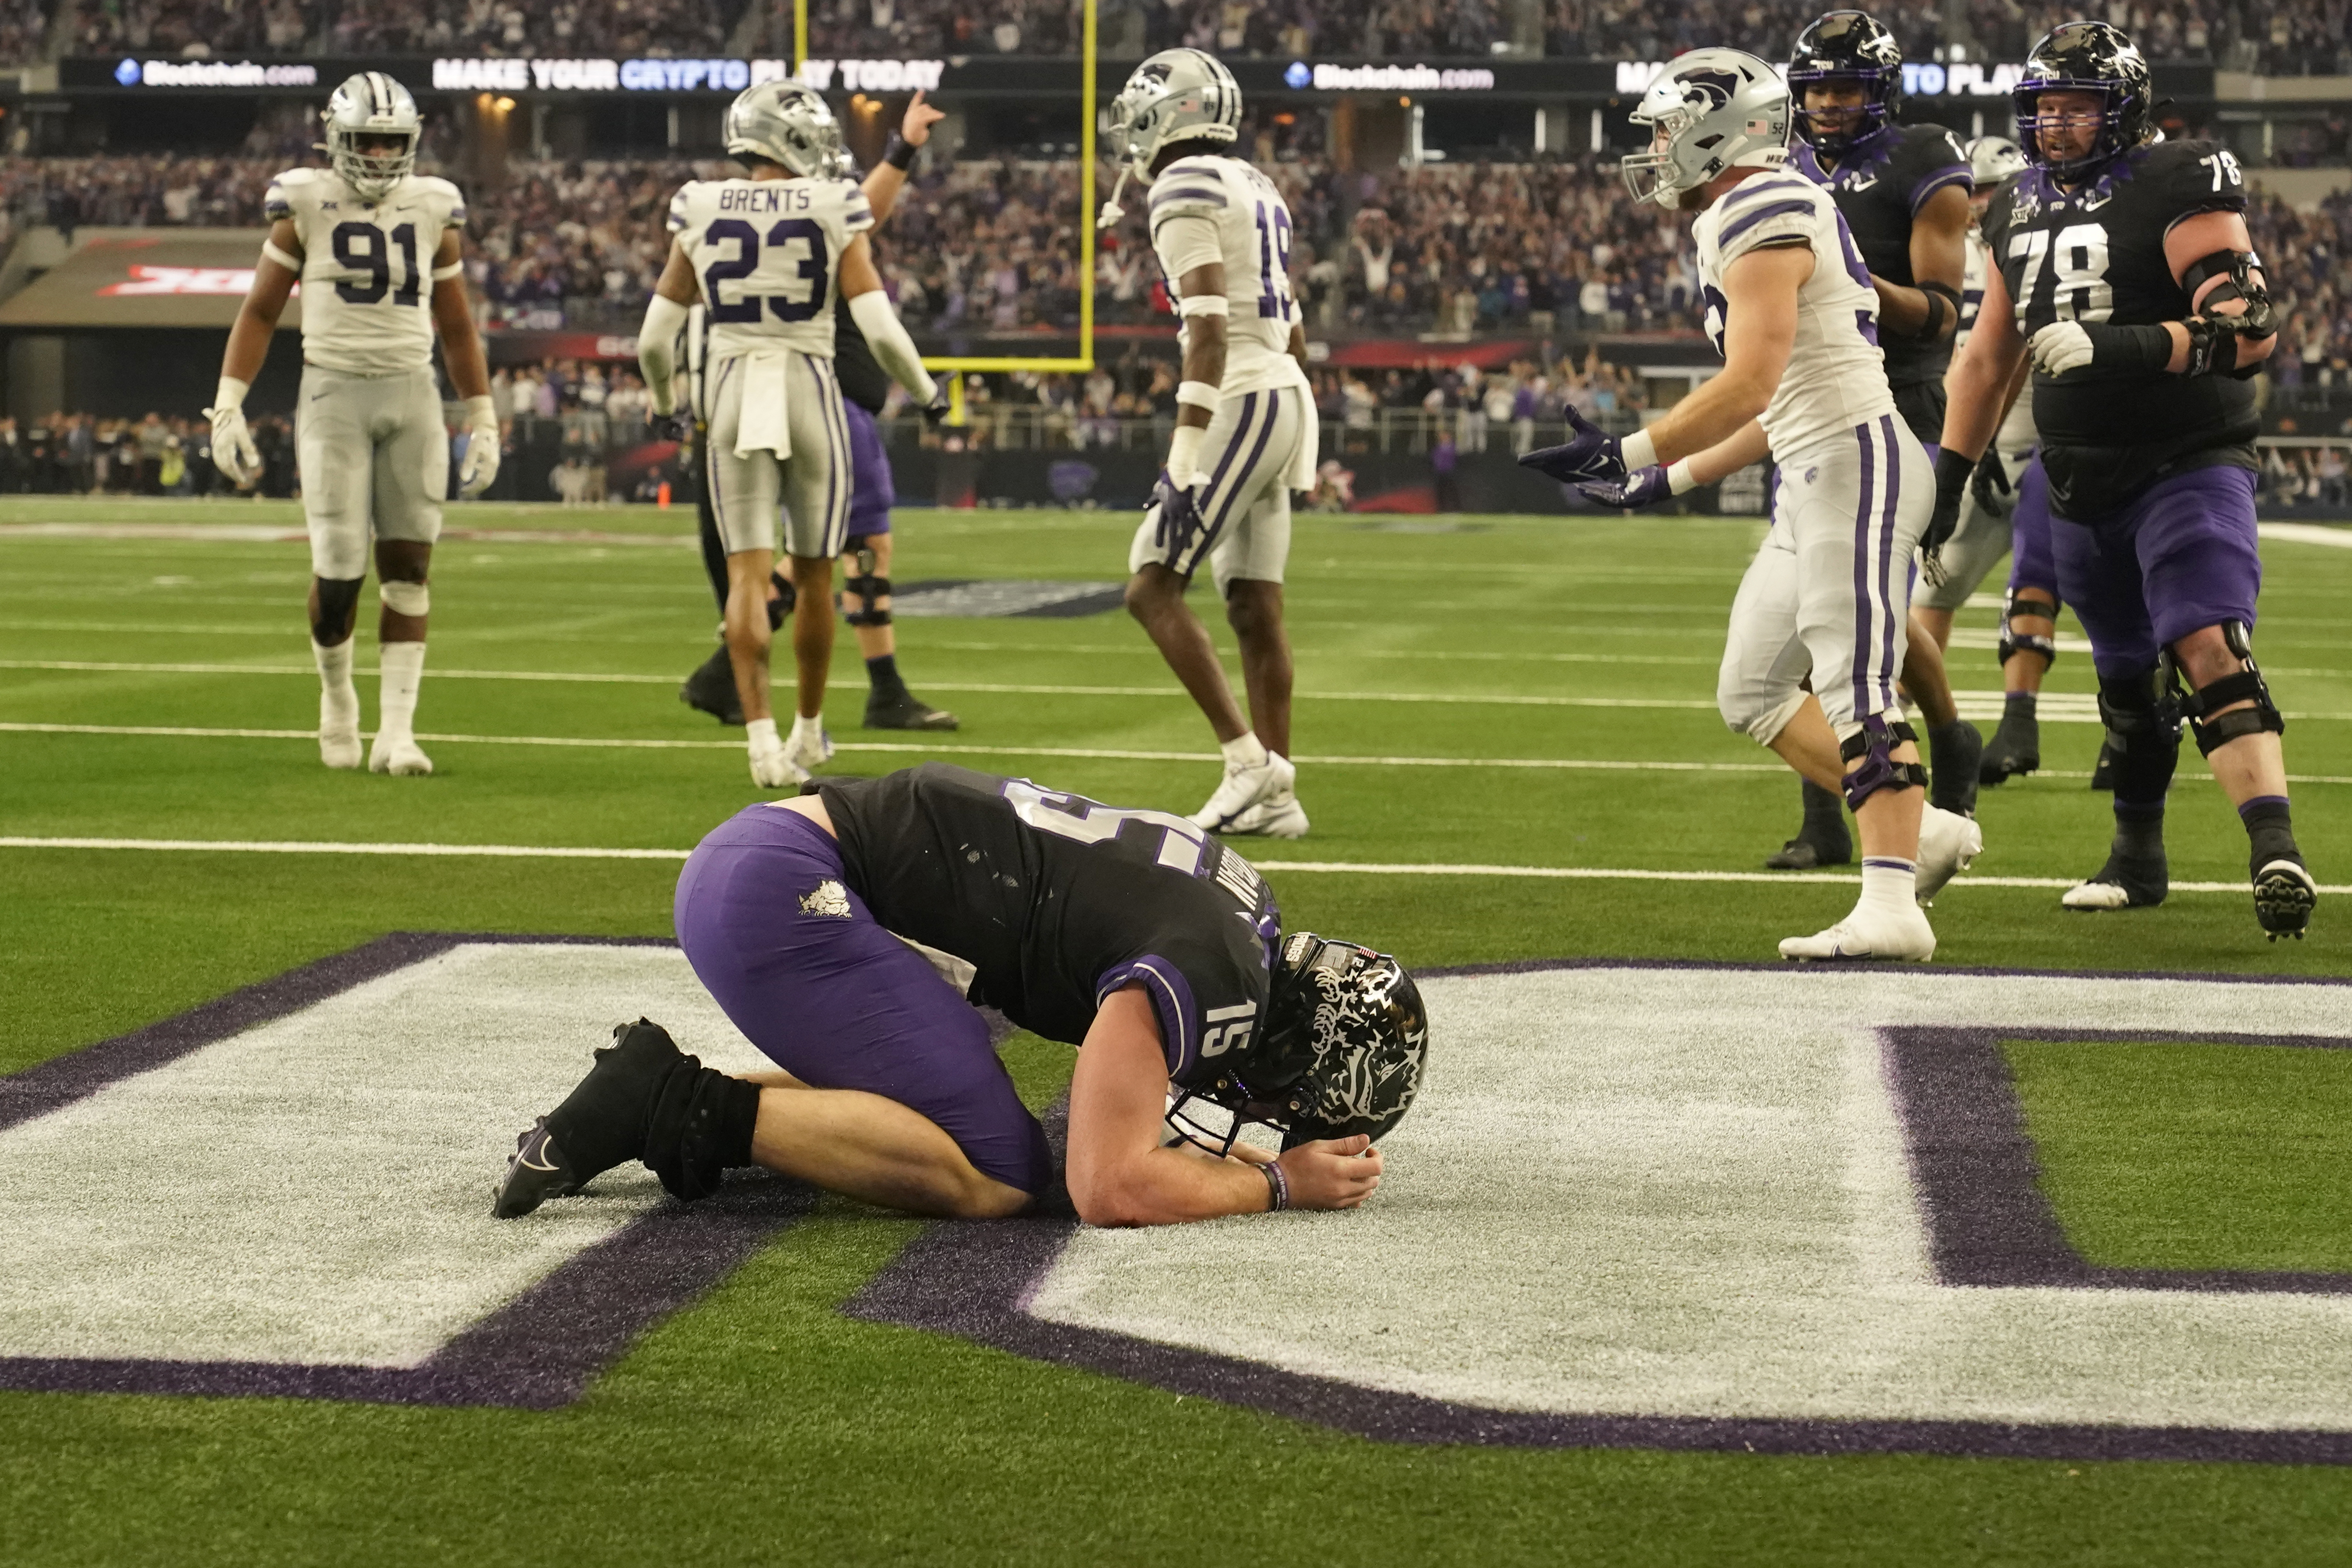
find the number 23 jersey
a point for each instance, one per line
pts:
(1057, 900)
(768, 253)
(367, 266)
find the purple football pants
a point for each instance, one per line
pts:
(2179, 557)
(798, 963)
(871, 493)
(2029, 564)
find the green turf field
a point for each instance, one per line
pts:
(1510, 695)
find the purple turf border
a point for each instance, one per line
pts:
(977, 1282)
(540, 1351)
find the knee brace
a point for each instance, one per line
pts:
(405, 598)
(1875, 743)
(2142, 741)
(2247, 685)
(338, 599)
(868, 588)
(699, 1126)
(2014, 643)
(782, 604)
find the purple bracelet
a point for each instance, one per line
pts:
(1278, 1186)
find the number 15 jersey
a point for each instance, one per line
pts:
(367, 266)
(769, 254)
(1253, 245)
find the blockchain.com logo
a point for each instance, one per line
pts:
(1297, 76)
(127, 73)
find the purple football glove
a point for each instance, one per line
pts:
(669, 427)
(1590, 453)
(1643, 487)
(1176, 513)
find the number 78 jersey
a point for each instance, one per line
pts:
(367, 266)
(768, 253)
(1254, 231)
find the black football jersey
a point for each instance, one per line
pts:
(863, 380)
(2096, 254)
(1057, 900)
(1879, 186)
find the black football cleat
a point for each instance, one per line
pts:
(1955, 752)
(2014, 750)
(907, 711)
(2284, 896)
(536, 1172)
(711, 689)
(2125, 882)
(1804, 854)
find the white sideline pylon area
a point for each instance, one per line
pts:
(1346, 867)
(316, 1189)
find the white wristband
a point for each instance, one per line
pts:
(1199, 395)
(1185, 455)
(1193, 305)
(1680, 480)
(1638, 450)
(231, 393)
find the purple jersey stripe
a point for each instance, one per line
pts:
(1863, 609)
(1781, 182)
(1171, 1003)
(1187, 193)
(1950, 175)
(1885, 562)
(1748, 220)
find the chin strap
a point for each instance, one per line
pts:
(1111, 211)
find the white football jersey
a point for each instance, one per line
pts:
(768, 253)
(367, 266)
(2017, 432)
(1253, 224)
(1836, 377)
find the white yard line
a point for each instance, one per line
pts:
(1346, 867)
(906, 748)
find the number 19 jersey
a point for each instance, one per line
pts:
(367, 284)
(768, 253)
(1254, 230)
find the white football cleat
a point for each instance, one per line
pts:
(1869, 932)
(1948, 842)
(806, 749)
(1243, 788)
(397, 755)
(1275, 816)
(339, 727)
(771, 766)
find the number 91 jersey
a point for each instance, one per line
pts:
(768, 253)
(367, 266)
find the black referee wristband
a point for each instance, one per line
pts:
(900, 153)
(2128, 348)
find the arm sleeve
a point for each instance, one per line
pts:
(894, 350)
(658, 348)
(1186, 241)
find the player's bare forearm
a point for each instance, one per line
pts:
(1204, 361)
(1747, 445)
(1299, 346)
(1938, 253)
(1978, 388)
(1118, 1174)
(2191, 240)
(257, 320)
(461, 345)
(882, 187)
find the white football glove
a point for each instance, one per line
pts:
(233, 453)
(481, 463)
(2059, 347)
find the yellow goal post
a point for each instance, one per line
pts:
(1084, 358)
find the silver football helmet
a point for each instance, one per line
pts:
(787, 124)
(1992, 158)
(1708, 110)
(1177, 95)
(372, 104)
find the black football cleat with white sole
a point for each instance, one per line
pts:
(907, 711)
(711, 689)
(2125, 882)
(1955, 753)
(2285, 895)
(535, 1172)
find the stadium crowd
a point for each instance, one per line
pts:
(2288, 37)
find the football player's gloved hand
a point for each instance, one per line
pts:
(1177, 513)
(1996, 498)
(935, 412)
(1952, 473)
(481, 461)
(2059, 347)
(1643, 487)
(1588, 453)
(233, 453)
(669, 427)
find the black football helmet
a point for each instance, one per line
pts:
(1341, 1052)
(1846, 45)
(2086, 57)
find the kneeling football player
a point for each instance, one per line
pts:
(827, 927)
